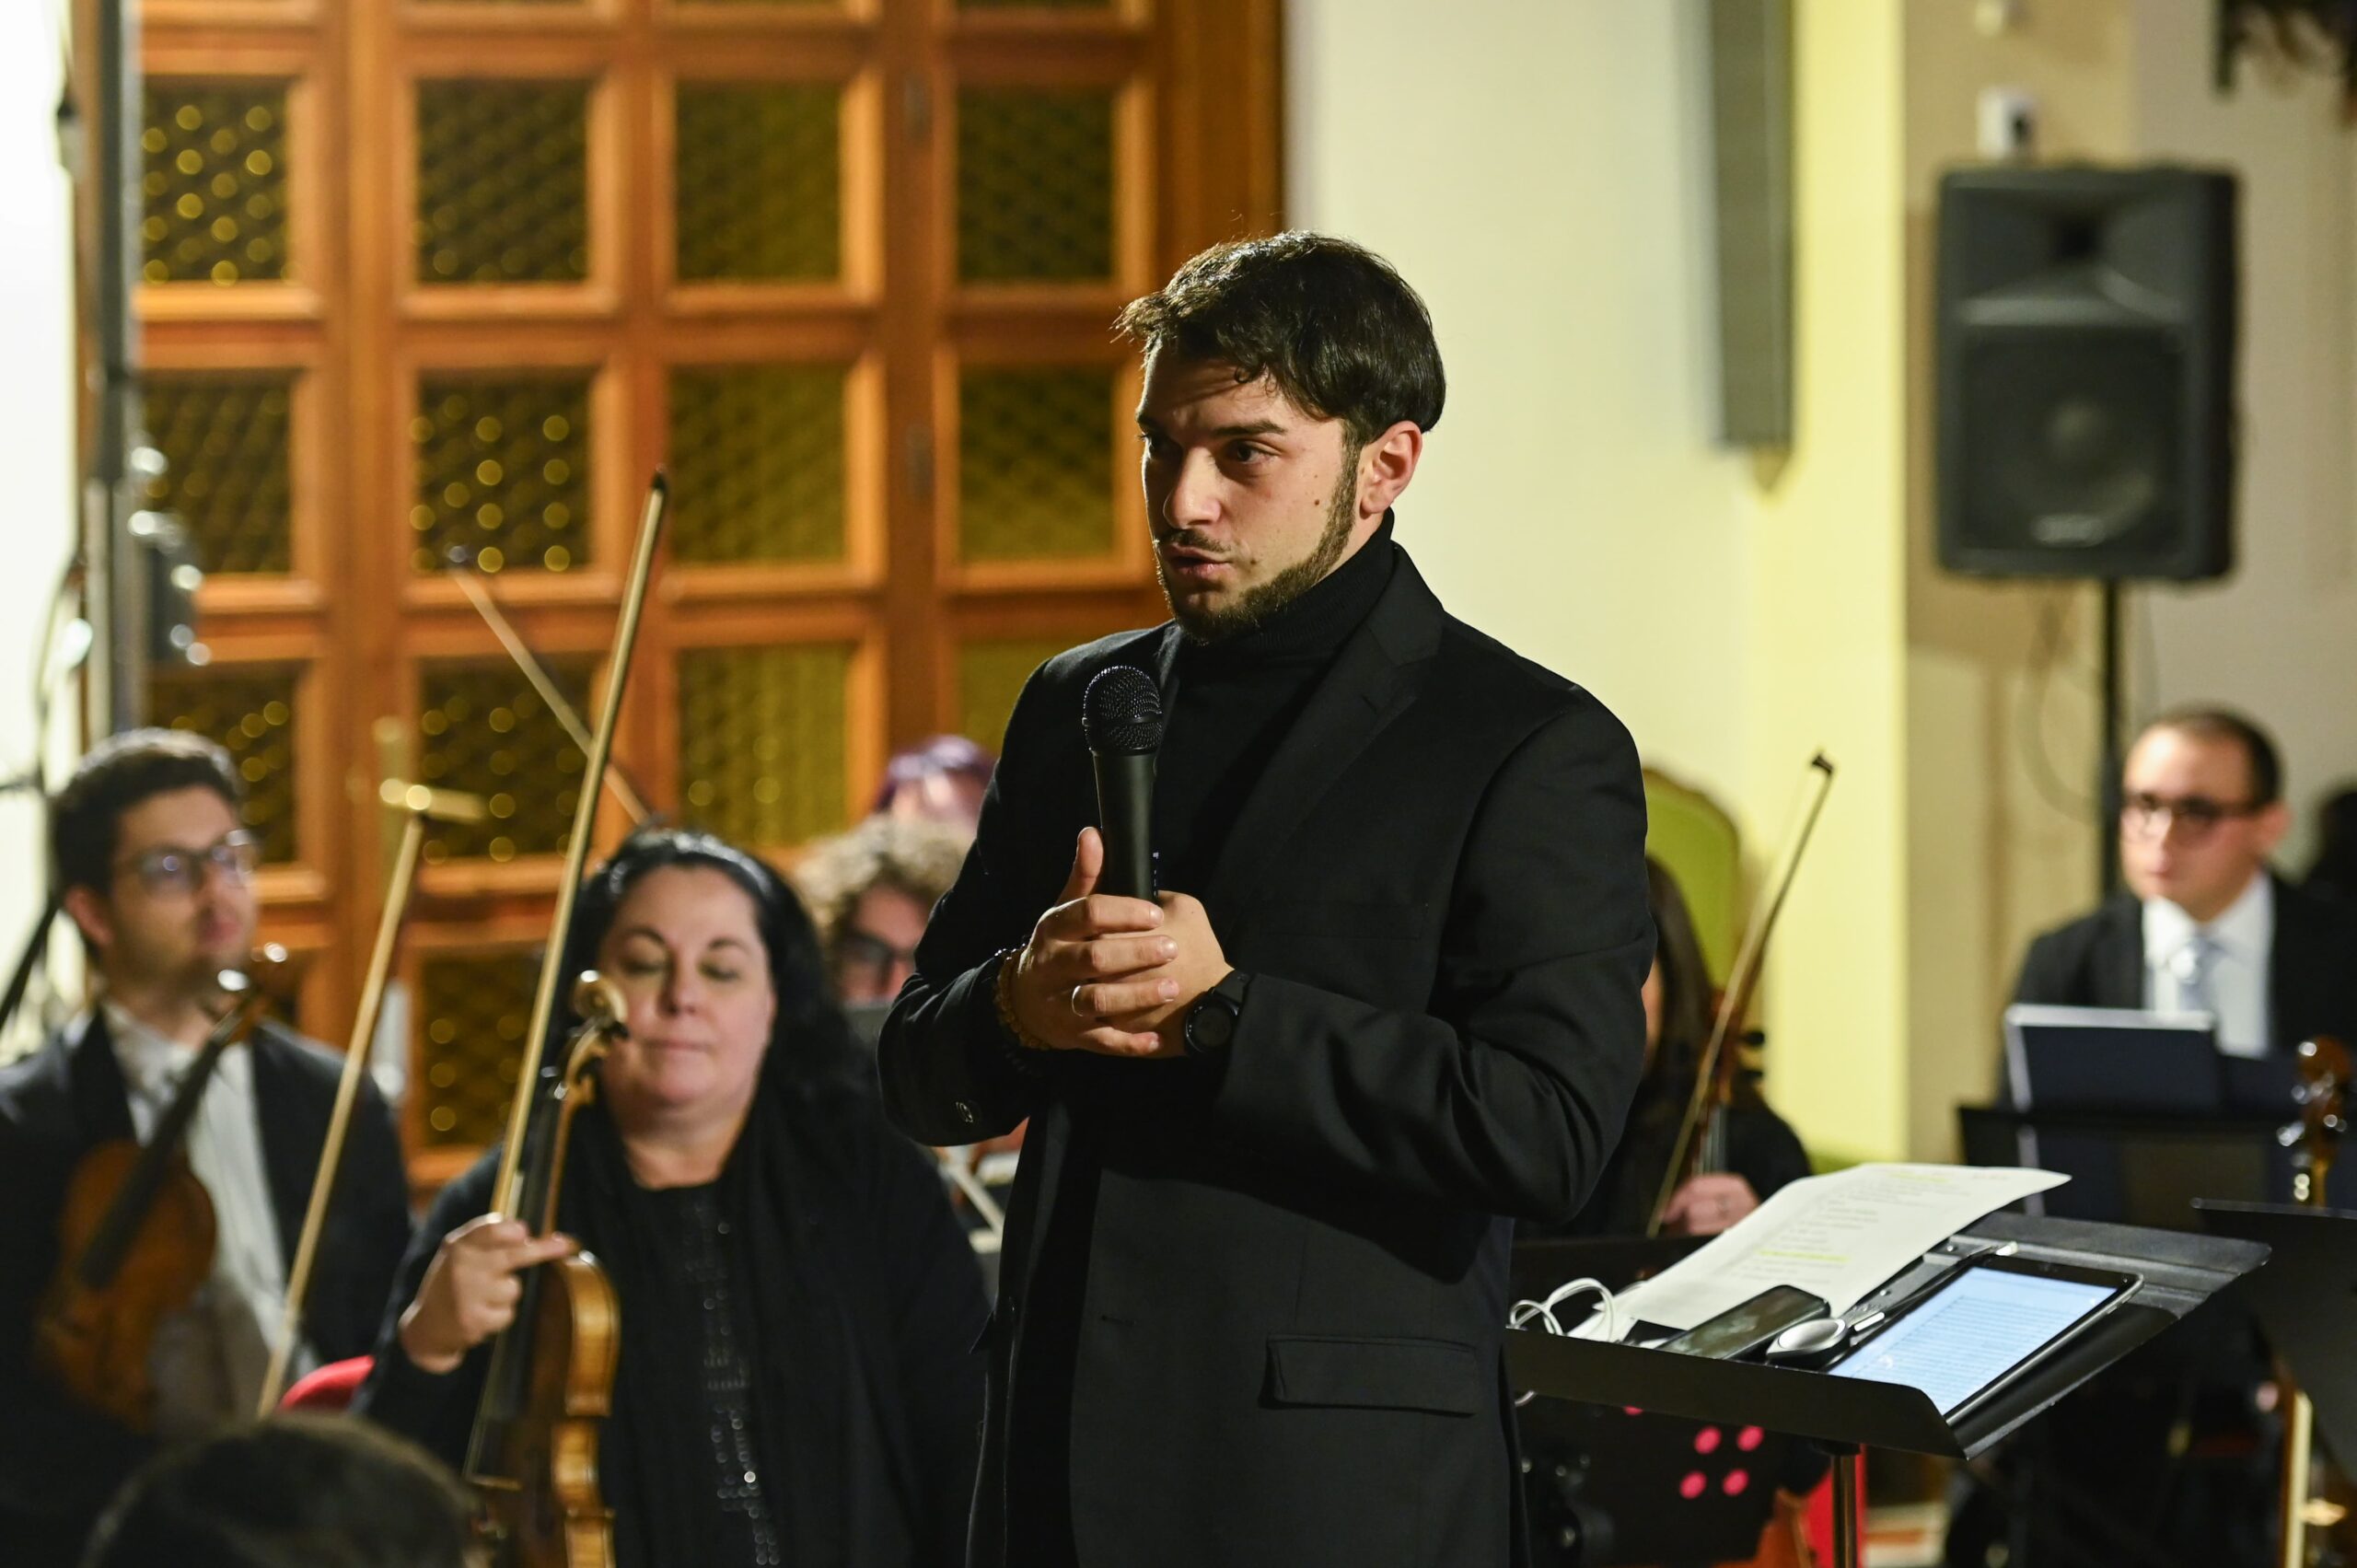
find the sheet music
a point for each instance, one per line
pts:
(1837, 1237)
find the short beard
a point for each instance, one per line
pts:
(1262, 600)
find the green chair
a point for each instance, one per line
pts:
(1687, 831)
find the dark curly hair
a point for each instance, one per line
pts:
(86, 820)
(1338, 332)
(811, 1038)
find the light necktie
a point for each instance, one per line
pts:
(2196, 966)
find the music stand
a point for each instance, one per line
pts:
(1844, 1415)
(2303, 1299)
(2135, 1168)
(1609, 1486)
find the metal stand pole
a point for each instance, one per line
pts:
(2109, 757)
(1846, 1460)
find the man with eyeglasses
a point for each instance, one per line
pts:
(156, 869)
(2206, 926)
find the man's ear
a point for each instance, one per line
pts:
(1385, 465)
(2273, 821)
(91, 917)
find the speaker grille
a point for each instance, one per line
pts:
(2081, 456)
(2086, 360)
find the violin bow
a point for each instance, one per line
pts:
(1817, 783)
(504, 1196)
(422, 805)
(535, 674)
(507, 1196)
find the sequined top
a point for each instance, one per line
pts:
(707, 1284)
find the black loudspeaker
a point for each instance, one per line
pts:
(2086, 372)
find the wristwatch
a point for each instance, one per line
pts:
(1211, 1022)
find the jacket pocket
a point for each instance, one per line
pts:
(1439, 1376)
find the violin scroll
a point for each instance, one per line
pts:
(2322, 1096)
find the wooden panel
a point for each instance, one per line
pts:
(726, 232)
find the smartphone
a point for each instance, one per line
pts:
(1741, 1329)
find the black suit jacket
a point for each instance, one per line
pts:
(2098, 961)
(59, 1460)
(1291, 1349)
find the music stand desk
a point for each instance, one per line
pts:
(2302, 1300)
(2180, 1273)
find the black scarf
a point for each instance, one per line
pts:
(829, 1502)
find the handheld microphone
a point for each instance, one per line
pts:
(1122, 715)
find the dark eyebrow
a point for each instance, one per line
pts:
(656, 937)
(1225, 431)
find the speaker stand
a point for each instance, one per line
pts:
(2108, 758)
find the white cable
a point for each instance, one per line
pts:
(954, 1171)
(1609, 1322)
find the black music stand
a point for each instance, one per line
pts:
(2135, 1168)
(2303, 1300)
(1608, 1486)
(1844, 1415)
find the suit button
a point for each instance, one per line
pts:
(965, 1113)
(1010, 1307)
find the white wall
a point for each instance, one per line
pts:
(1539, 171)
(37, 421)
(2278, 638)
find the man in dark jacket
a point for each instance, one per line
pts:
(2205, 925)
(156, 870)
(1253, 1291)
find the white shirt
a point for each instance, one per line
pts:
(2245, 940)
(209, 1362)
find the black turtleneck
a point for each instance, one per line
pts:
(1236, 700)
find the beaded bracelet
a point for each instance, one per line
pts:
(1003, 992)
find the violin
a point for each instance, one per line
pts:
(2322, 1096)
(136, 1233)
(532, 1456)
(534, 1444)
(1720, 1081)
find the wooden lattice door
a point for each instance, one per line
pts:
(443, 281)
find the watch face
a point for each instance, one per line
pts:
(1213, 1023)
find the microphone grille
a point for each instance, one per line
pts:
(1122, 711)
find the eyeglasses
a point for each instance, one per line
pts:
(175, 870)
(2148, 816)
(868, 956)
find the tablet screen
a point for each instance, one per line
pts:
(1972, 1332)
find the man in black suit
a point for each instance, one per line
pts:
(2205, 925)
(1253, 1291)
(156, 870)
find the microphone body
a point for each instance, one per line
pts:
(1121, 718)
(1125, 816)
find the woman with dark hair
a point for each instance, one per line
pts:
(1763, 1154)
(798, 1306)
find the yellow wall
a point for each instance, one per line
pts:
(1540, 169)
(2001, 709)
(1822, 667)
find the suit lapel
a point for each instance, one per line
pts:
(1373, 680)
(2119, 980)
(94, 1083)
(290, 1155)
(2294, 969)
